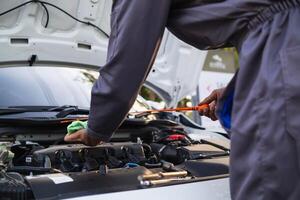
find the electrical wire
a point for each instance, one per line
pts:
(47, 14)
(74, 18)
(43, 3)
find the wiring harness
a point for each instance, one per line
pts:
(44, 5)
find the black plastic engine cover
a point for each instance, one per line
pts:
(208, 167)
(78, 157)
(177, 155)
(88, 183)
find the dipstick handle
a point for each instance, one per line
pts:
(195, 108)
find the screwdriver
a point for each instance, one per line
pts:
(194, 108)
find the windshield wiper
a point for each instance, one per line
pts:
(63, 111)
(67, 110)
(12, 110)
(7, 111)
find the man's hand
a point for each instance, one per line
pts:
(82, 137)
(212, 100)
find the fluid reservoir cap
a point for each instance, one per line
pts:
(175, 137)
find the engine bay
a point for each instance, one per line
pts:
(145, 154)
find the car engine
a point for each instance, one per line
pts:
(160, 150)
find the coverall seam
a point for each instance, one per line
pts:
(284, 56)
(284, 65)
(268, 13)
(115, 13)
(260, 142)
(260, 19)
(285, 86)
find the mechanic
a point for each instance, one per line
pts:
(260, 106)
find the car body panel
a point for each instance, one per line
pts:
(213, 190)
(24, 40)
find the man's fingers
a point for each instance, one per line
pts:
(206, 112)
(74, 137)
(212, 100)
(212, 111)
(209, 112)
(82, 137)
(212, 97)
(200, 112)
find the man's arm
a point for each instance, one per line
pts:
(137, 27)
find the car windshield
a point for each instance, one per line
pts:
(48, 86)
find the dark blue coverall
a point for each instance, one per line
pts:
(265, 116)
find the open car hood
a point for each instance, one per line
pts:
(24, 39)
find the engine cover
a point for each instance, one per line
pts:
(78, 157)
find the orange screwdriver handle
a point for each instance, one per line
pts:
(195, 108)
(202, 107)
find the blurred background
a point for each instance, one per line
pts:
(218, 69)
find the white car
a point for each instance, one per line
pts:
(50, 56)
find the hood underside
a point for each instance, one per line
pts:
(45, 34)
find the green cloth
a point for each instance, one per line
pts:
(5, 154)
(76, 126)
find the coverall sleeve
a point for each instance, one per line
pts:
(210, 24)
(137, 27)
